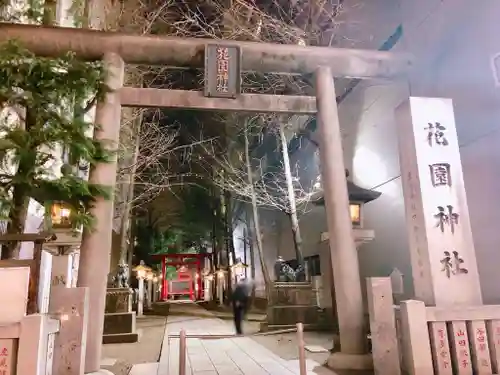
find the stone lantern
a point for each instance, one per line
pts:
(67, 238)
(65, 246)
(358, 197)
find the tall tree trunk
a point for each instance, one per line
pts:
(256, 221)
(215, 245)
(17, 219)
(49, 12)
(297, 238)
(129, 196)
(229, 230)
(227, 242)
(252, 254)
(20, 195)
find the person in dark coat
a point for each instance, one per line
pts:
(240, 300)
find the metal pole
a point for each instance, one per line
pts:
(344, 255)
(95, 249)
(182, 352)
(302, 351)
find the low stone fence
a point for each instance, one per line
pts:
(292, 303)
(51, 341)
(420, 340)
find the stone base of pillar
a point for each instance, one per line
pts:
(342, 361)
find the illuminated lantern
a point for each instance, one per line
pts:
(60, 215)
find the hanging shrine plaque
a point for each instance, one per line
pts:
(222, 71)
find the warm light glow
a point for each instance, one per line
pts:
(355, 211)
(60, 215)
(155, 279)
(142, 270)
(209, 277)
(220, 273)
(141, 274)
(149, 275)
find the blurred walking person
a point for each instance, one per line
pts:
(241, 300)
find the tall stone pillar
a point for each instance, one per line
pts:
(344, 256)
(443, 258)
(95, 250)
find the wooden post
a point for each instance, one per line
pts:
(416, 341)
(96, 245)
(182, 352)
(344, 254)
(302, 351)
(385, 348)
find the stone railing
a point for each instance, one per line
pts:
(290, 303)
(50, 342)
(419, 340)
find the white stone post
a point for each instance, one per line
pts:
(35, 344)
(62, 270)
(140, 300)
(96, 245)
(150, 294)
(220, 289)
(385, 345)
(443, 257)
(71, 306)
(343, 251)
(207, 288)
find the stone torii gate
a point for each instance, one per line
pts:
(116, 49)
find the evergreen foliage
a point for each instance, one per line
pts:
(41, 100)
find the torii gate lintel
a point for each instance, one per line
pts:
(189, 52)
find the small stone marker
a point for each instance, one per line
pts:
(8, 356)
(13, 294)
(397, 281)
(44, 282)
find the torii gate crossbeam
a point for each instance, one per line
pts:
(181, 52)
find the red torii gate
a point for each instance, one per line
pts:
(181, 259)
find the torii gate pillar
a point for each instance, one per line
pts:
(344, 256)
(95, 252)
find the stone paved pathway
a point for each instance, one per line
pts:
(228, 356)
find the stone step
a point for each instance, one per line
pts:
(119, 323)
(120, 338)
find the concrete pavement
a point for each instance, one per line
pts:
(227, 356)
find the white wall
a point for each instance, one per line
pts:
(453, 44)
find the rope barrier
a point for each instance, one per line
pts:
(231, 335)
(183, 337)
